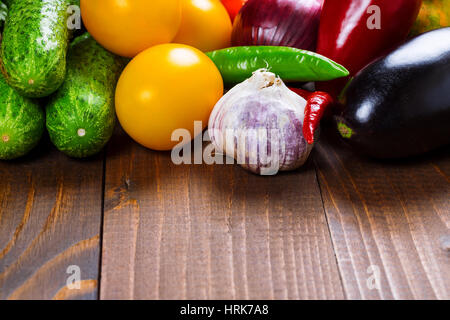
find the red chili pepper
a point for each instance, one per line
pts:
(316, 105)
(354, 32)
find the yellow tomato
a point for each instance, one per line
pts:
(164, 88)
(205, 25)
(127, 27)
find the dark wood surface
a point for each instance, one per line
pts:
(388, 216)
(50, 219)
(140, 227)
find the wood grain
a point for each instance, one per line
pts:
(392, 215)
(211, 232)
(218, 232)
(50, 218)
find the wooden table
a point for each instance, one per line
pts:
(136, 226)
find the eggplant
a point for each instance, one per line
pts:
(399, 105)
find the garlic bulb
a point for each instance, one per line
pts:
(260, 124)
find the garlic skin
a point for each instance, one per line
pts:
(260, 124)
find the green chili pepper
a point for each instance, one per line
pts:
(292, 65)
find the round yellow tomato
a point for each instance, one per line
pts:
(164, 88)
(127, 27)
(205, 25)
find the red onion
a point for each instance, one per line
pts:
(291, 23)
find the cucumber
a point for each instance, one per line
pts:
(22, 123)
(34, 47)
(81, 115)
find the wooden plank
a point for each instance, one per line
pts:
(211, 232)
(50, 218)
(391, 215)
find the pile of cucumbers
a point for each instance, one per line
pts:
(51, 81)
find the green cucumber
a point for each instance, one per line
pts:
(22, 123)
(81, 115)
(34, 47)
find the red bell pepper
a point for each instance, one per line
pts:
(356, 32)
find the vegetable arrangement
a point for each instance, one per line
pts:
(161, 67)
